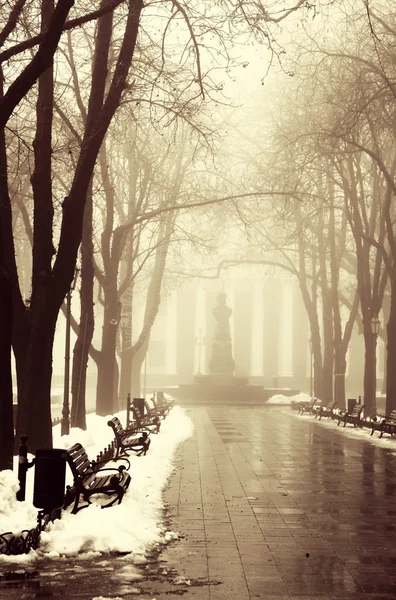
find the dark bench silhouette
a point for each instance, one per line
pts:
(353, 417)
(161, 405)
(387, 424)
(153, 409)
(150, 421)
(309, 407)
(90, 478)
(374, 422)
(135, 439)
(143, 417)
(326, 411)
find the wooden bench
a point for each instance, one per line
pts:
(152, 422)
(309, 407)
(90, 478)
(135, 439)
(153, 409)
(161, 403)
(374, 422)
(354, 417)
(326, 411)
(388, 424)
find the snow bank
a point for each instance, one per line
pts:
(132, 527)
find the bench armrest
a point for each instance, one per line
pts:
(127, 466)
(118, 471)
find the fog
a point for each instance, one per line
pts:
(260, 173)
(197, 205)
(175, 152)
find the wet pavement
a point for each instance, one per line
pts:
(267, 505)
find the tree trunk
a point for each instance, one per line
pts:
(20, 327)
(339, 378)
(317, 363)
(6, 409)
(369, 379)
(328, 352)
(36, 420)
(106, 395)
(391, 352)
(36, 417)
(86, 329)
(386, 314)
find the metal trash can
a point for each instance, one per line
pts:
(139, 404)
(351, 404)
(49, 478)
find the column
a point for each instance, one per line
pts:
(171, 334)
(185, 334)
(301, 334)
(272, 308)
(242, 333)
(256, 330)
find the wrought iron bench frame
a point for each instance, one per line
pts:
(89, 478)
(135, 439)
(354, 417)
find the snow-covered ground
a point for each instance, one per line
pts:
(363, 433)
(354, 432)
(279, 399)
(136, 525)
(132, 527)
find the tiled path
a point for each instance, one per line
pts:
(277, 507)
(269, 506)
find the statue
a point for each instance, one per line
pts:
(222, 361)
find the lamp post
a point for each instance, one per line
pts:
(65, 423)
(375, 327)
(310, 368)
(125, 373)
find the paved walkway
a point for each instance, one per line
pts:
(278, 507)
(269, 506)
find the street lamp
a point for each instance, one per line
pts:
(125, 372)
(310, 368)
(65, 423)
(375, 325)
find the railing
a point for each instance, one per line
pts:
(11, 544)
(57, 420)
(28, 539)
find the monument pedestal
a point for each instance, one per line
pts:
(220, 385)
(207, 389)
(220, 379)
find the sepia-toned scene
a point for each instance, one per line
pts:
(197, 299)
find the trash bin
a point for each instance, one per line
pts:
(139, 404)
(49, 478)
(351, 404)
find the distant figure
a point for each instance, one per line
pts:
(222, 361)
(222, 314)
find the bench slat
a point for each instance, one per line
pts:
(135, 439)
(88, 480)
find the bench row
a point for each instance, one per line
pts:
(355, 416)
(97, 478)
